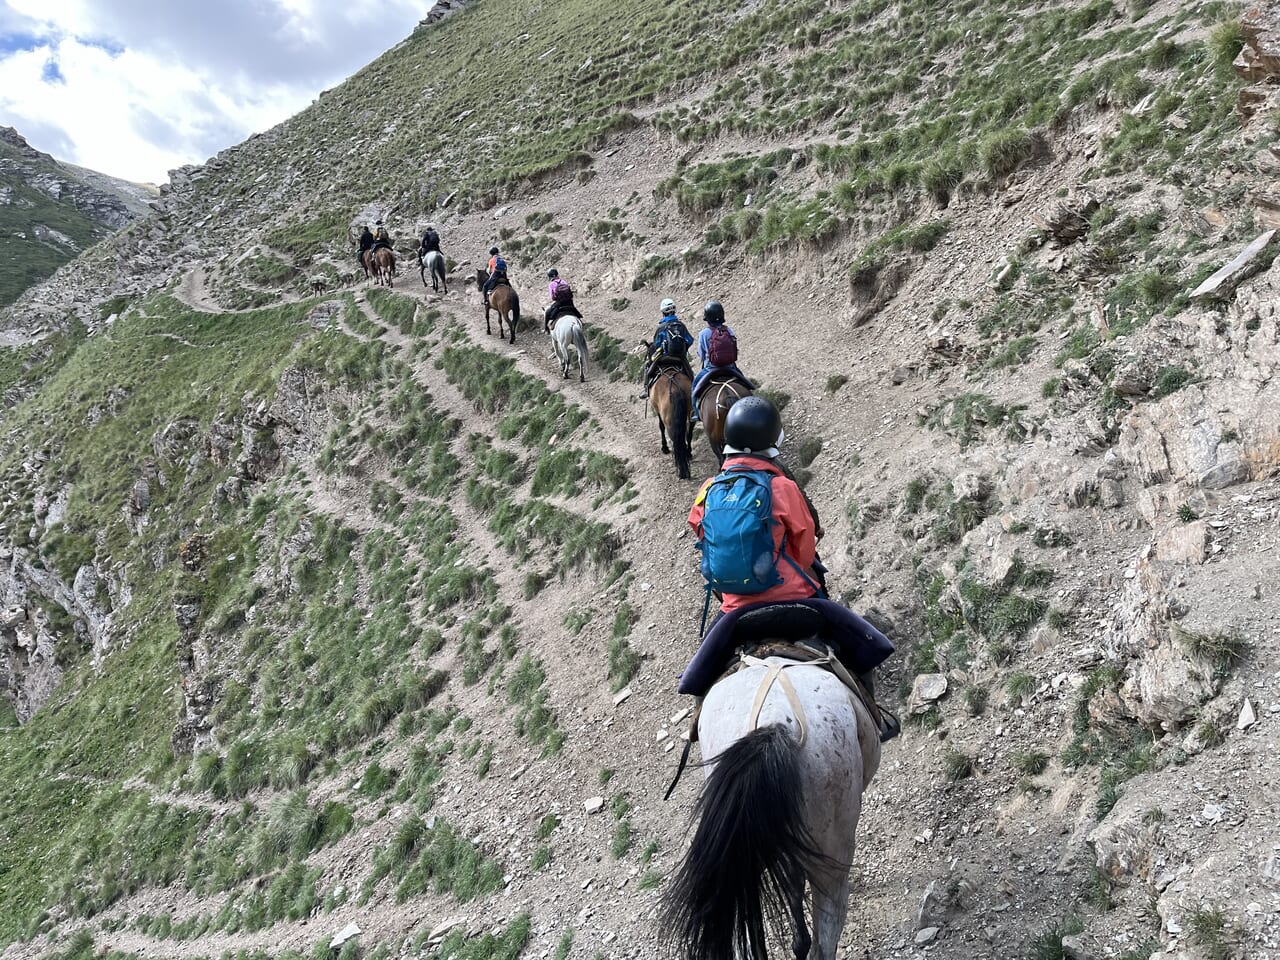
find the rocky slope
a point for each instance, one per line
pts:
(331, 609)
(50, 212)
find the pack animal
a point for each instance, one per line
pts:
(777, 815)
(433, 262)
(503, 300)
(567, 335)
(671, 400)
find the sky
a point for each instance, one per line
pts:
(135, 88)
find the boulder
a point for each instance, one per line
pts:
(1220, 285)
(927, 689)
(1067, 220)
(1165, 689)
(1184, 543)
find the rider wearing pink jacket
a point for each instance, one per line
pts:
(561, 295)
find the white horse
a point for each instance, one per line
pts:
(433, 261)
(789, 752)
(566, 334)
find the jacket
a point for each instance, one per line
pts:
(792, 520)
(497, 265)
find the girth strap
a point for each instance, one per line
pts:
(776, 673)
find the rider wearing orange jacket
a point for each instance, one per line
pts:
(752, 433)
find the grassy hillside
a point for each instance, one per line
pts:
(27, 258)
(374, 579)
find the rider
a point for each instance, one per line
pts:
(366, 244)
(671, 339)
(497, 273)
(752, 434)
(713, 314)
(561, 295)
(430, 241)
(380, 236)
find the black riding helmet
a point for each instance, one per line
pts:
(493, 251)
(713, 312)
(552, 273)
(753, 426)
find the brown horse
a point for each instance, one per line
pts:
(722, 391)
(670, 398)
(504, 300)
(380, 263)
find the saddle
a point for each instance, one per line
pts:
(664, 362)
(721, 376)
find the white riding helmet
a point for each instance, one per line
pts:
(667, 306)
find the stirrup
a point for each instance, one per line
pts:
(889, 725)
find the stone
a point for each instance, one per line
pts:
(1166, 689)
(444, 928)
(1184, 543)
(593, 804)
(968, 485)
(1248, 716)
(349, 932)
(1067, 221)
(1073, 948)
(927, 935)
(927, 689)
(12, 617)
(900, 375)
(1110, 494)
(1003, 568)
(1220, 285)
(621, 696)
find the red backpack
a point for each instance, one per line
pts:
(722, 349)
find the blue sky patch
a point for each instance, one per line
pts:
(110, 45)
(19, 42)
(51, 73)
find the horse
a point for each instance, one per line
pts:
(504, 300)
(779, 810)
(670, 398)
(723, 391)
(380, 263)
(433, 260)
(565, 335)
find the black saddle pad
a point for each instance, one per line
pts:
(778, 621)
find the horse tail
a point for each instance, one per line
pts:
(679, 430)
(580, 341)
(515, 309)
(750, 853)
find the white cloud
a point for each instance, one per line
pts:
(142, 86)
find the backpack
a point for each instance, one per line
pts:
(736, 533)
(564, 293)
(669, 343)
(499, 266)
(722, 349)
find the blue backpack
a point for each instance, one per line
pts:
(737, 536)
(737, 533)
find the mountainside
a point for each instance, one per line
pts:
(321, 606)
(50, 212)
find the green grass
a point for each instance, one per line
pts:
(623, 661)
(956, 765)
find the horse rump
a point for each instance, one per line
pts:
(750, 856)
